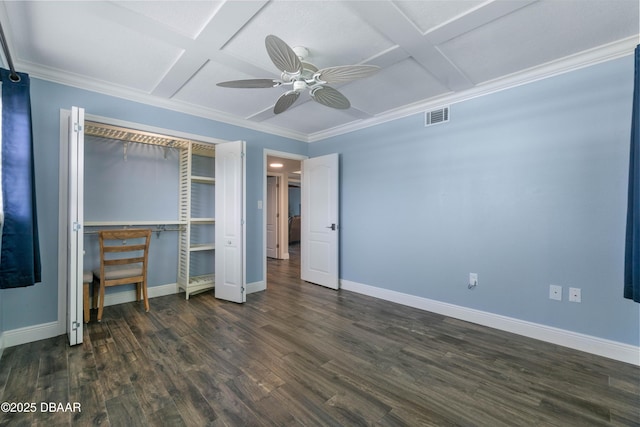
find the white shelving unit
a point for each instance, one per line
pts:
(196, 242)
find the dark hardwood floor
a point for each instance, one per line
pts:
(299, 354)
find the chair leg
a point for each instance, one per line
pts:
(101, 301)
(85, 302)
(138, 291)
(96, 289)
(144, 294)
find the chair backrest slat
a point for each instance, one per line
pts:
(124, 248)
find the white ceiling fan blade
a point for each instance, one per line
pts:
(330, 97)
(285, 101)
(250, 83)
(282, 55)
(345, 73)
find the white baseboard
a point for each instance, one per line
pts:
(130, 296)
(587, 343)
(256, 287)
(32, 333)
(53, 329)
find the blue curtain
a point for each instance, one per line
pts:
(20, 253)
(632, 249)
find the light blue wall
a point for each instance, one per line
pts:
(526, 187)
(38, 304)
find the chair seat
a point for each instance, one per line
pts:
(124, 256)
(115, 272)
(87, 276)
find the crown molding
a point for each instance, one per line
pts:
(99, 86)
(608, 52)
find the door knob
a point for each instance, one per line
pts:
(332, 227)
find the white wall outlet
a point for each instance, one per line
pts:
(575, 295)
(555, 292)
(473, 280)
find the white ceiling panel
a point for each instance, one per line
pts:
(403, 83)
(202, 90)
(186, 17)
(429, 52)
(331, 32)
(428, 15)
(85, 44)
(512, 43)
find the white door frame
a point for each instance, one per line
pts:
(284, 155)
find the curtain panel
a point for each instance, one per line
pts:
(20, 250)
(632, 249)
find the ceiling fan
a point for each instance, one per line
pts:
(303, 75)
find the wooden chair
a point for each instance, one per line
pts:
(87, 279)
(123, 260)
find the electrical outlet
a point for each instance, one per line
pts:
(473, 280)
(575, 295)
(555, 292)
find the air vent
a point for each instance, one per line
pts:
(439, 115)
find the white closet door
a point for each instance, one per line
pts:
(230, 251)
(75, 233)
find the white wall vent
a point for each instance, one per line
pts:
(439, 115)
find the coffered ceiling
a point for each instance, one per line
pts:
(172, 53)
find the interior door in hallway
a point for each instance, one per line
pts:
(319, 230)
(272, 216)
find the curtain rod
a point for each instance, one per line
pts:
(5, 48)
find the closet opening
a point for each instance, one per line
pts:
(117, 174)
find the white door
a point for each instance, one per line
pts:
(319, 222)
(75, 233)
(272, 216)
(230, 222)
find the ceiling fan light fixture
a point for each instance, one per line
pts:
(299, 85)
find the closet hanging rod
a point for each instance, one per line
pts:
(156, 230)
(5, 48)
(102, 130)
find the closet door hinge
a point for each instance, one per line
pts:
(77, 127)
(75, 325)
(77, 226)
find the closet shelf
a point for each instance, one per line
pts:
(202, 247)
(202, 220)
(199, 283)
(203, 179)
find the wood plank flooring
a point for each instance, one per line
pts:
(299, 354)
